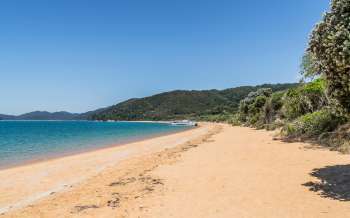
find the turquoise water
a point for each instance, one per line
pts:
(23, 141)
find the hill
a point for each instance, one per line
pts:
(181, 104)
(42, 115)
(7, 117)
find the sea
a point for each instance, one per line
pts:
(22, 142)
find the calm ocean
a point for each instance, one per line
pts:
(23, 141)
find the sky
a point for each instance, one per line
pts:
(80, 55)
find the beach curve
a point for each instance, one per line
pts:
(24, 185)
(223, 171)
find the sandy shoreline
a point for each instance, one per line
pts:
(213, 171)
(46, 157)
(25, 184)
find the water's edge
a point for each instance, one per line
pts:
(125, 142)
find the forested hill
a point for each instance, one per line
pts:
(42, 115)
(181, 104)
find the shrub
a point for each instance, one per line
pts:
(304, 99)
(344, 147)
(276, 100)
(222, 118)
(338, 139)
(235, 120)
(251, 107)
(313, 124)
(272, 107)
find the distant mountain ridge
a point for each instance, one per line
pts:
(7, 117)
(178, 104)
(42, 115)
(45, 115)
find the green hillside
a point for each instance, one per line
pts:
(181, 104)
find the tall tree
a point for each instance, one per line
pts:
(330, 46)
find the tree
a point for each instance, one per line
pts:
(308, 67)
(330, 46)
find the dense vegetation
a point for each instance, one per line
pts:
(317, 110)
(212, 105)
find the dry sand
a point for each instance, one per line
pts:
(212, 171)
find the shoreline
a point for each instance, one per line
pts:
(124, 142)
(26, 184)
(216, 170)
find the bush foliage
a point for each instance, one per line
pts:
(264, 107)
(251, 107)
(313, 124)
(302, 112)
(304, 99)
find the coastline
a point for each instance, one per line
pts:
(125, 142)
(28, 183)
(214, 171)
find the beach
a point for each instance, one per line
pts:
(215, 170)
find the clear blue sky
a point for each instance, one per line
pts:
(79, 55)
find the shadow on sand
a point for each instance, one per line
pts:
(334, 182)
